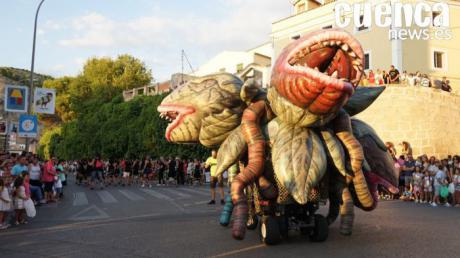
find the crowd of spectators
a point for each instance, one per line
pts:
(393, 76)
(426, 179)
(146, 172)
(27, 182)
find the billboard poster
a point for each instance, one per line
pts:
(44, 100)
(16, 98)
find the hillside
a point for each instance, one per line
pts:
(18, 76)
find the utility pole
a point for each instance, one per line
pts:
(31, 91)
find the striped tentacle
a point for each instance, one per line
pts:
(346, 213)
(256, 156)
(343, 130)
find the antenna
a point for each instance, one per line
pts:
(188, 62)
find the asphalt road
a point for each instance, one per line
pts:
(177, 222)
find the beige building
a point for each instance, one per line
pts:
(434, 57)
(253, 63)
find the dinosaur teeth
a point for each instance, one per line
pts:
(352, 54)
(316, 69)
(345, 47)
(334, 74)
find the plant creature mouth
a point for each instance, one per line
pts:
(337, 57)
(175, 114)
(374, 180)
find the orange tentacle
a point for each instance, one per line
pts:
(252, 134)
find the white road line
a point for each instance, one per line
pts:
(91, 210)
(195, 203)
(132, 196)
(196, 191)
(176, 192)
(79, 199)
(106, 197)
(156, 194)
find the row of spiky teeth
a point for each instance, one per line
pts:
(165, 116)
(356, 62)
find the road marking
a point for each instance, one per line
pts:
(196, 191)
(132, 196)
(232, 253)
(156, 194)
(100, 214)
(176, 192)
(79, 199)
(195, 203)
(106, 197)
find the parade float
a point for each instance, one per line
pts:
(296, 140)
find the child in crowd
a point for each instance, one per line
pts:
(427, 187)
(19, 198)
(61, 177)
(407, 194)
(58, 185)
(417, 179)
(5, 204)
(456, 182)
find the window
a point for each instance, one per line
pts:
(239, 67)
(296, 37)
(300, 8)
(434, 15)
(438, 58)
(327, 27)
(367, 61)
(361, 28)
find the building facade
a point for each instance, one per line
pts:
(435, 57)
(253, 63)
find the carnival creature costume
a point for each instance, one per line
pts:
(297, 138)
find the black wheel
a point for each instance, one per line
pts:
(284, 226)
(252, 222)
(321, 229)
(270, 230)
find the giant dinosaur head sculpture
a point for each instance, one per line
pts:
(314, 77)
(205, 109)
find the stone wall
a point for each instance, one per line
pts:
(429, 119)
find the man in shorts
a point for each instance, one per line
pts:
(211, 163)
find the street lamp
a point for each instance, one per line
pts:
(29, 109)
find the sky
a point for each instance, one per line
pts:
(71, 31)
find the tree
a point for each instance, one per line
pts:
(94, 119)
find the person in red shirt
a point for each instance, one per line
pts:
(371, 78)
(96, 174)
(49, 172)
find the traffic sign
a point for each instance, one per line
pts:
(28, 126)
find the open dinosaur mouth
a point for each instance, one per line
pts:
(373, 181)
(333, 53)
(175, 114)
(330, 57)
